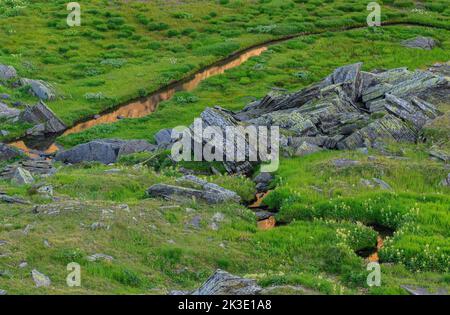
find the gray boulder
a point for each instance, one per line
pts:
(39, 88)
(209, 192)
(7, 152)
(45, 121)
(446, 181)
(7, 72)
(105, 151)
(421, 42)
(224, 283)
(7, 112)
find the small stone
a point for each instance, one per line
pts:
(218, 217)
(196, 221)
(40, 279)
(124, 207)
(99, 226)
(3, 292)
(23, 264)
(47, 243)
(306, 148)
(382, 183)
(27, 229)
(2, 242)
(4, 133)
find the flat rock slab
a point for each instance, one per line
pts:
(105, 151)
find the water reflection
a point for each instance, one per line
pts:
(145, 107)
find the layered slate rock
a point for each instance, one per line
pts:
(203, 190)
(105, 151)
(45, 121)
(39, 88)
(224, 283)
(337, 113)
(36, 166)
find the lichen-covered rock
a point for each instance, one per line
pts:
(306, 148)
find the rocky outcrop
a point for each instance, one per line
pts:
(421, 42)
(338, 112)
(7, 72)
(44, 120)
(224, 283)
(39, 88)
(7, 152)
(203, 190)
(105, 151)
